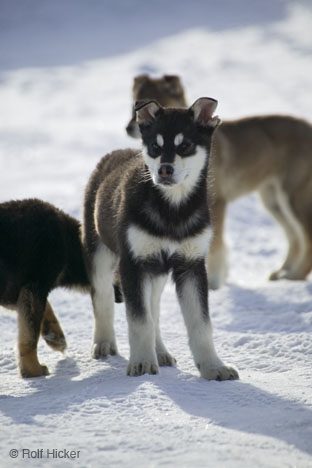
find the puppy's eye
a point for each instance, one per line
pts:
(155, 147)
(185, 147)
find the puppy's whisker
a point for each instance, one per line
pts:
(146, 176)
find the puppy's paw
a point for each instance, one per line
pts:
(143, 367)
(103, 349)
(279, 274)
(222, 372)
(36, 371)
(165, 359)
(287, 274)
(216, 281)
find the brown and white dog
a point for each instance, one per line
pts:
(269, 154)
(146, 212)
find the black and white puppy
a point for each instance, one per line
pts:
(147, 212)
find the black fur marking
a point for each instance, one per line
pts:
(173, 122)
(195, 271)
(132, 276)
(177, 222)
(133, 271)
(118, 293)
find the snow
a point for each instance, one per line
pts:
(66, 70)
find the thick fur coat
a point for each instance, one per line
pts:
(40, 249)
(146, 213)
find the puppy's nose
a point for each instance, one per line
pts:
(165, 170)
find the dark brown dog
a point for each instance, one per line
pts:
(40, 249)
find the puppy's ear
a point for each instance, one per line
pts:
(138, 83)
(146, 111)
(203, 109)
(171, 78)
(140, 78)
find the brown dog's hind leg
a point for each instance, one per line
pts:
(217, 259)
(51, 330)
(290, 213)
(30, 314)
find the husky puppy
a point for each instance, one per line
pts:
(270, 154)
(147, 211)
(40, 249)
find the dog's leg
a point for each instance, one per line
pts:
(217, 258)
(298, 260)
(163, 356)
(51, 330)
(103, 267)
(30, 313)
(117, 288)
(137, 289)
(191, 284)
(303, 206)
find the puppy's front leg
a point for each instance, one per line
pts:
(191, 285)
(103, 267)
(137, 287)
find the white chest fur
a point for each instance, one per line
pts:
(143, 245)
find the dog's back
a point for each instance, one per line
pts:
(249, 151)
(39, 244)
(112, 171)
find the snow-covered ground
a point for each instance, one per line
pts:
(66, 70)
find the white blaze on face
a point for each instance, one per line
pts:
(186, 175)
